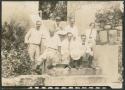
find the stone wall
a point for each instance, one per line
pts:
(18, 9)
(84, 12)
(42, 80)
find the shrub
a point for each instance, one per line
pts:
(15, 59)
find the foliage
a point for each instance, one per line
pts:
(15, 59)
(50, 10)
(109, 19)
(111, 16)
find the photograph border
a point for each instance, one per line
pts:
(66, 87)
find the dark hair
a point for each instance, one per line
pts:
(83, 35)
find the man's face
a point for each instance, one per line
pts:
(62, 37)
(83, 38)
(72, 22)
(70, 35)
(38, 24)
(92, 25)
(52, 34)
(57, 22)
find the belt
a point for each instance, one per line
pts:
(52, 48)
(35, 44)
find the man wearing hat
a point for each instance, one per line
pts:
(51, 56)
(57, 24)
(64, 48)
(74, 43)
(90, 43)
(63, 42)
(33, 39)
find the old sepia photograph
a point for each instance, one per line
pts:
(62, 43)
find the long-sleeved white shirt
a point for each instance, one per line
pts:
(35, 36)
(53, 42)
(91, 37)
(76, 48)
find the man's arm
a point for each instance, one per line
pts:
(60, 55)
(75, 33)
(59, 49)
(59, 46)
(27, 37)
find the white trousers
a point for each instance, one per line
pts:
(34, 51)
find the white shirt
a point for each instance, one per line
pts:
(33, 36)
(89, 49)
(53, 42)
(91, 37)
(45, 35)
(76, 49)
(65, 52)
(65, 46)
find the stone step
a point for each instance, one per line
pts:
(40, 80)
(24, 80)
(85, 71)
(74, 71)
(67, 80)
(74, 80)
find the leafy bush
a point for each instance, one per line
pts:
(109, 19)
(110, 16)
(15, 59)
(50, 10)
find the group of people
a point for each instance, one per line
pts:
(63, 47)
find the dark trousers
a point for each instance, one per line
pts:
(75, 63)
(86, 60)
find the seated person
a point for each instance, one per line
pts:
(87, 57)
(83, 60)
(51, 56)
(64, 49)
(75, 47)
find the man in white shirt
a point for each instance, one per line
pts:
(33, 39)
(74, 43)
(62, 43)
(91, 34)
(50, 57)
(45, 37)
(64, 47)
(57, 24)
(72, 28)
(90, 43)
(83, 51)
(58, 29)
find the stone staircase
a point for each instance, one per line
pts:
(59, 76)
(85, 71)
(40, 80)
(74, 71)
(64, 80)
